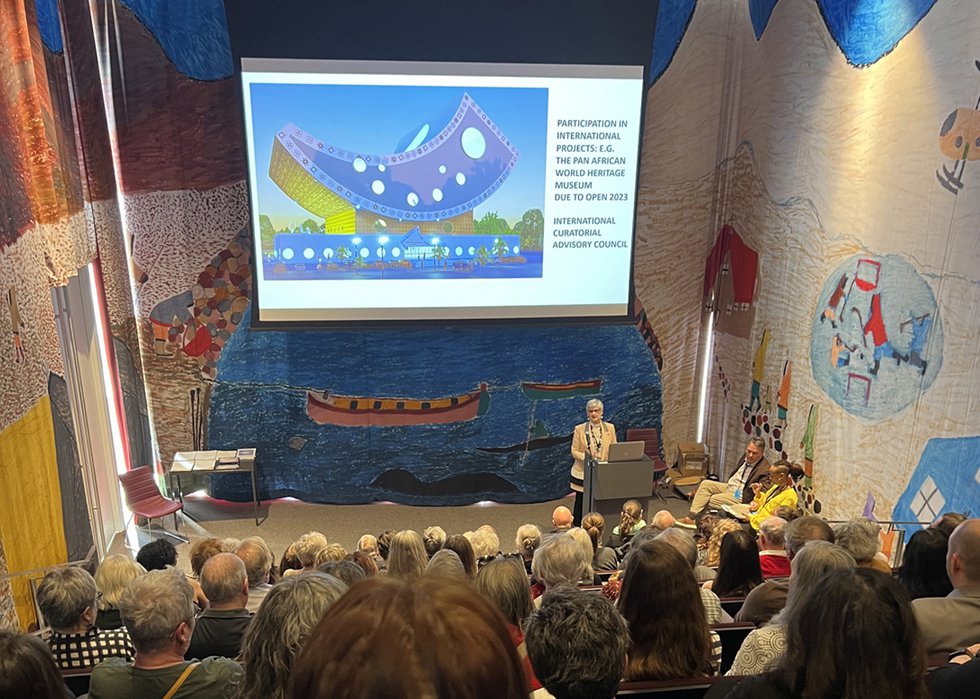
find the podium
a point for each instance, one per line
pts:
(607, 485)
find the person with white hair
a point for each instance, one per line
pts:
(590, 440)
(559, 559)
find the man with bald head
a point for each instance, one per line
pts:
(953, 622)
(561, 519)
(220, 627)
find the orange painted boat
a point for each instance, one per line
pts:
(356, 411)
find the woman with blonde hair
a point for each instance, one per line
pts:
(605, 557)
(111, 578)
(630, 521)
(407, 557)
(527, 541)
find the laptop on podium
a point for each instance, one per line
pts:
(625, 451)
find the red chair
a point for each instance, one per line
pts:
(651, 448)
(143, 497)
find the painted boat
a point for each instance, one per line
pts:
(546, 391)
(358, 411)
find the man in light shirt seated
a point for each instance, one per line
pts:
(751, 468)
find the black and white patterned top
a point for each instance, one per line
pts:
(76, 651)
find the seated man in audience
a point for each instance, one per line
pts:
(577, 644)
(220, 627)
(684, 543)
(257, 557)
(772, 548)
(859, 537)
(663, 520)
(159, 554)
(765, 600)
(751, 468)
(67, 598)
(561, 519)
(953, 622)
(158, 610)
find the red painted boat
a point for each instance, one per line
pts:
(357, 411)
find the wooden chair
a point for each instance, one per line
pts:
(651, 448)
(143, 498)
(689, 688)
(732, 636)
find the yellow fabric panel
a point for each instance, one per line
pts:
(31, 525)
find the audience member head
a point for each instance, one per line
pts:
(857, 637)
(963, 555)
(345, 571)
(594, 524)
(290, 561)
(630, 516)
(583, 539)
(407, 631)
(486, 543)
(923, 570)
(225, 581)
(561, 518)
(528, 539)
(803, 529)
(27, 668)
(434, 538)
(287, 616)
(771, 536)
(559, 559)
(788, 513)
(504, 583)
(66, 598)
(368, 543)
(713, 552)
(407, 558)
(158, 611)
(330, 552)
(577, 643)
(859, 537)
(446, 563)
(365, 561)
(112, 576)
(157, 555)
(663, 609)
(947, 522)
(201, 551)
(808, 567)
(307, 547)
(384, 542)
(682, 542)
(464, 549)
(663, 520)
(257, 557)
(738, 567)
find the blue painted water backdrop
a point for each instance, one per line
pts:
(259, 400)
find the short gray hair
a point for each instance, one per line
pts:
(154, 605)
(759, 442)
(222, 577)
(772, 529)
(64, 595)
(307, 547)
(859, 537)
(286, 618)
(485, 542)
(447, 563)
(593, 403)
(682, 541)
(434, 538)
(368, 543)
(577, 643)
(559, 559)
(815, 559)
(112, 576)
(804, 529)
(257, 557)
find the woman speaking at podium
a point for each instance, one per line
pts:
(591, 439)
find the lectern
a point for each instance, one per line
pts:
(609, 484)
